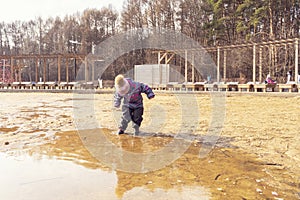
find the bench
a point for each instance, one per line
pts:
(26, 85)
(211, 87)
(5, 85)
(51, 85)
(264, 87)
(170, 85)
(41, 85)
(199, 86)
(162, 86)
(288, 86)
(222, 86)
(68, 85)
(248, 87)
(178, 87)
(16, 85)
(189, 86)
(232, 86)
(88, 85)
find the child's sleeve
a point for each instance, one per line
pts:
(117, 100)
(147, 90)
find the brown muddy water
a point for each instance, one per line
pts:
(66, 170)
(43, 156)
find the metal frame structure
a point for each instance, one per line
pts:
(219, 49)
(17, 68)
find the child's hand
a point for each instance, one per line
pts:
(151, 97)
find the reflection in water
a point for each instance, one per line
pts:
(24, 177)
(46, 171)
(184, 193)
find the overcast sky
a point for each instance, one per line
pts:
(25, 10)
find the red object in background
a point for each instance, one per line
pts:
(7, 75)
(269, 80)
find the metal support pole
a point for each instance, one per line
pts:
(260, 64)
(75, 72)
(3, 70)
(193, 68)
(158, 58)
(12, 75)
(58, 68)
(296, 58)
(44, 72)
(86, 71)
(37, 70)
(158, 69)
(270, 58)
(166, 79)
(254, 64)
(20, 73)
(218, 65)
(185, 67)
(93, 70)
(67, 70)
(224, 64)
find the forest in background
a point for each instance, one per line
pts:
(209, 22)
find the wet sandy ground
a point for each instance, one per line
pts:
(44, 156)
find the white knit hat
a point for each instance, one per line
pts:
(122, 85)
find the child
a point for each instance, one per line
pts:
(132, 108)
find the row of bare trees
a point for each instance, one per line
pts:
(53, 35)
(209, 22)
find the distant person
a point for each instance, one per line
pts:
(132, 108)
(208, 79)
(100, 83)
(242, 79)
(289, 76)
(291, 72)
(269, 80)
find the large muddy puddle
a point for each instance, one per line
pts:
(65, 169)
(44, 156)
